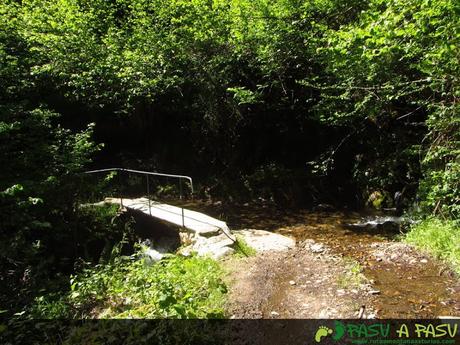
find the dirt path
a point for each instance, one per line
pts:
(311, 281)
(306, 282)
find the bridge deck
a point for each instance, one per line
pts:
(194, 221)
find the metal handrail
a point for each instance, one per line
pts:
(144, 173)
(147, 173)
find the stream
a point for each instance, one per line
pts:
(422, 289)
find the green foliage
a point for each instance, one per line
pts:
(376, 199)
(242, 248)
(440, 189)
(378, 76)
(41, 161)
(396, 63)
(45, 251)
(243, 96)
(38, 191)
(439, 238)
(284, 100)
(51, 306)
(175, 287)
(102, 233)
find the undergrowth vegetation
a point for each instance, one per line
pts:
(176, 287)
(438, 237)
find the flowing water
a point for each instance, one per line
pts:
(422, 289)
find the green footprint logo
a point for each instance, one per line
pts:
(322, 332)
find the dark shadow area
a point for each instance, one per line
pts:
(161, 235)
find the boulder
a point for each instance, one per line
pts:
(262, 240)
(215, 246)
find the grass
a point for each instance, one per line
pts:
(439, 238)
(176, 287)
(242, 248)
(353, 277)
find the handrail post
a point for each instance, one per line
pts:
(119, 186)
(180, 189)
(148, 193)
(183, 221)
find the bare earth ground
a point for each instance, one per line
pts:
(311, 281)
(297, 283)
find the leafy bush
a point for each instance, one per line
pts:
(440, 238)
(176, 287)
(440, 188)
(39, 191)
(394, 75)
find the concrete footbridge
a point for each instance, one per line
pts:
(192, 221)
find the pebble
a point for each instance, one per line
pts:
(317, 248)
(292, 282)
(374, 292)
(424, 261)
(274, 313)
